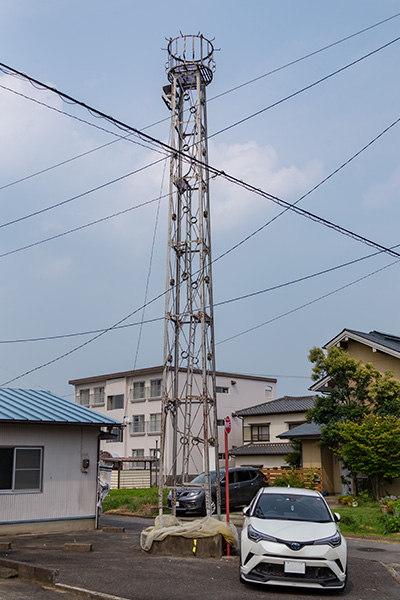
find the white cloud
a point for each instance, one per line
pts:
(260, 166)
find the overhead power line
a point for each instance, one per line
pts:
(215, 172)
(152, 140)
(304, 89)
(293, 310)
(237, 87)
(216, 304)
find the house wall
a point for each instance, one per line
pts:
(314, 456)
(278, 423)
(380, 360)
(68, 497)
(262, 461)
(242, 392)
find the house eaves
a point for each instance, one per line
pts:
(377, 341)
(303, 431)
(261, 449)
(382, 342)
(286, 404)
(148, 371)
(38, 407)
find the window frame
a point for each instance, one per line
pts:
(110, 401)
(15, 470)
(155, 421)
(98, 394)
(255, 432)
(159, 383)
(141, 385)
(140, 421)
(136, 464)
(83, 393)
(221, 389)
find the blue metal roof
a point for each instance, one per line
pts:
(36, 406)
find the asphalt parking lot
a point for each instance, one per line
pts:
(117, 567)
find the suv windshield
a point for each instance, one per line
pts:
(292, 507)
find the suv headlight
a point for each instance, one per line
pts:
(193, 494)
(257, 536)
(333, 540)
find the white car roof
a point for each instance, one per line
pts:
(290, 490)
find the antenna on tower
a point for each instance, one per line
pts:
(189, 433)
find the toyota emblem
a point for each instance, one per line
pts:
(295, 546)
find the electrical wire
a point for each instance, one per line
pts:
(80, 227)
(63, 202)
(214, 171)
(146, 292)
(217, 304)
(293, 310)
(304, 89)
(165, 146)
(246, 83)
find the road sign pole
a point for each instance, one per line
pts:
(227, 430)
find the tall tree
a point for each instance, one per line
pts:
(359, 414)
(355, 390)
(372, 447)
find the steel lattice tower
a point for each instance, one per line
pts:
(189, 434)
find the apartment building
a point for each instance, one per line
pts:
(134, 398)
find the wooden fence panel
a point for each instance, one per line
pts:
(272, 474)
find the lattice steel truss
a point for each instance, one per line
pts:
(189, 435)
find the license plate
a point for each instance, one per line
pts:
(177, 505)
(294, 566)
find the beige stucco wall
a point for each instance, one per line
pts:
(278, 423)
(314, 456)
(380, 360)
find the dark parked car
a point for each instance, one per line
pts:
(244, 482)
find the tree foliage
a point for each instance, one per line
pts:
(293, 458)
(359, 415)
(371, 447)
(355, 390)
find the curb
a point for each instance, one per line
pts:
(48, 577)
(31, 572)
(392, 571)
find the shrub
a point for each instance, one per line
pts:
(349, 520)
(345, 499)
(293, 479)
(390, 524)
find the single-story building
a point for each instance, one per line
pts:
(49, 454)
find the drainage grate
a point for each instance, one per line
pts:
(371, 549)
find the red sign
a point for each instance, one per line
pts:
(228, 425)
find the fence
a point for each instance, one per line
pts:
(130, 479)
(312, 475)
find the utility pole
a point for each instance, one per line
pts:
(189, 434)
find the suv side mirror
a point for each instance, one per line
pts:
(246, 511)
(337, 517)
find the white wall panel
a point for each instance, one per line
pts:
(67, 492)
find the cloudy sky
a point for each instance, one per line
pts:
(72, 169)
